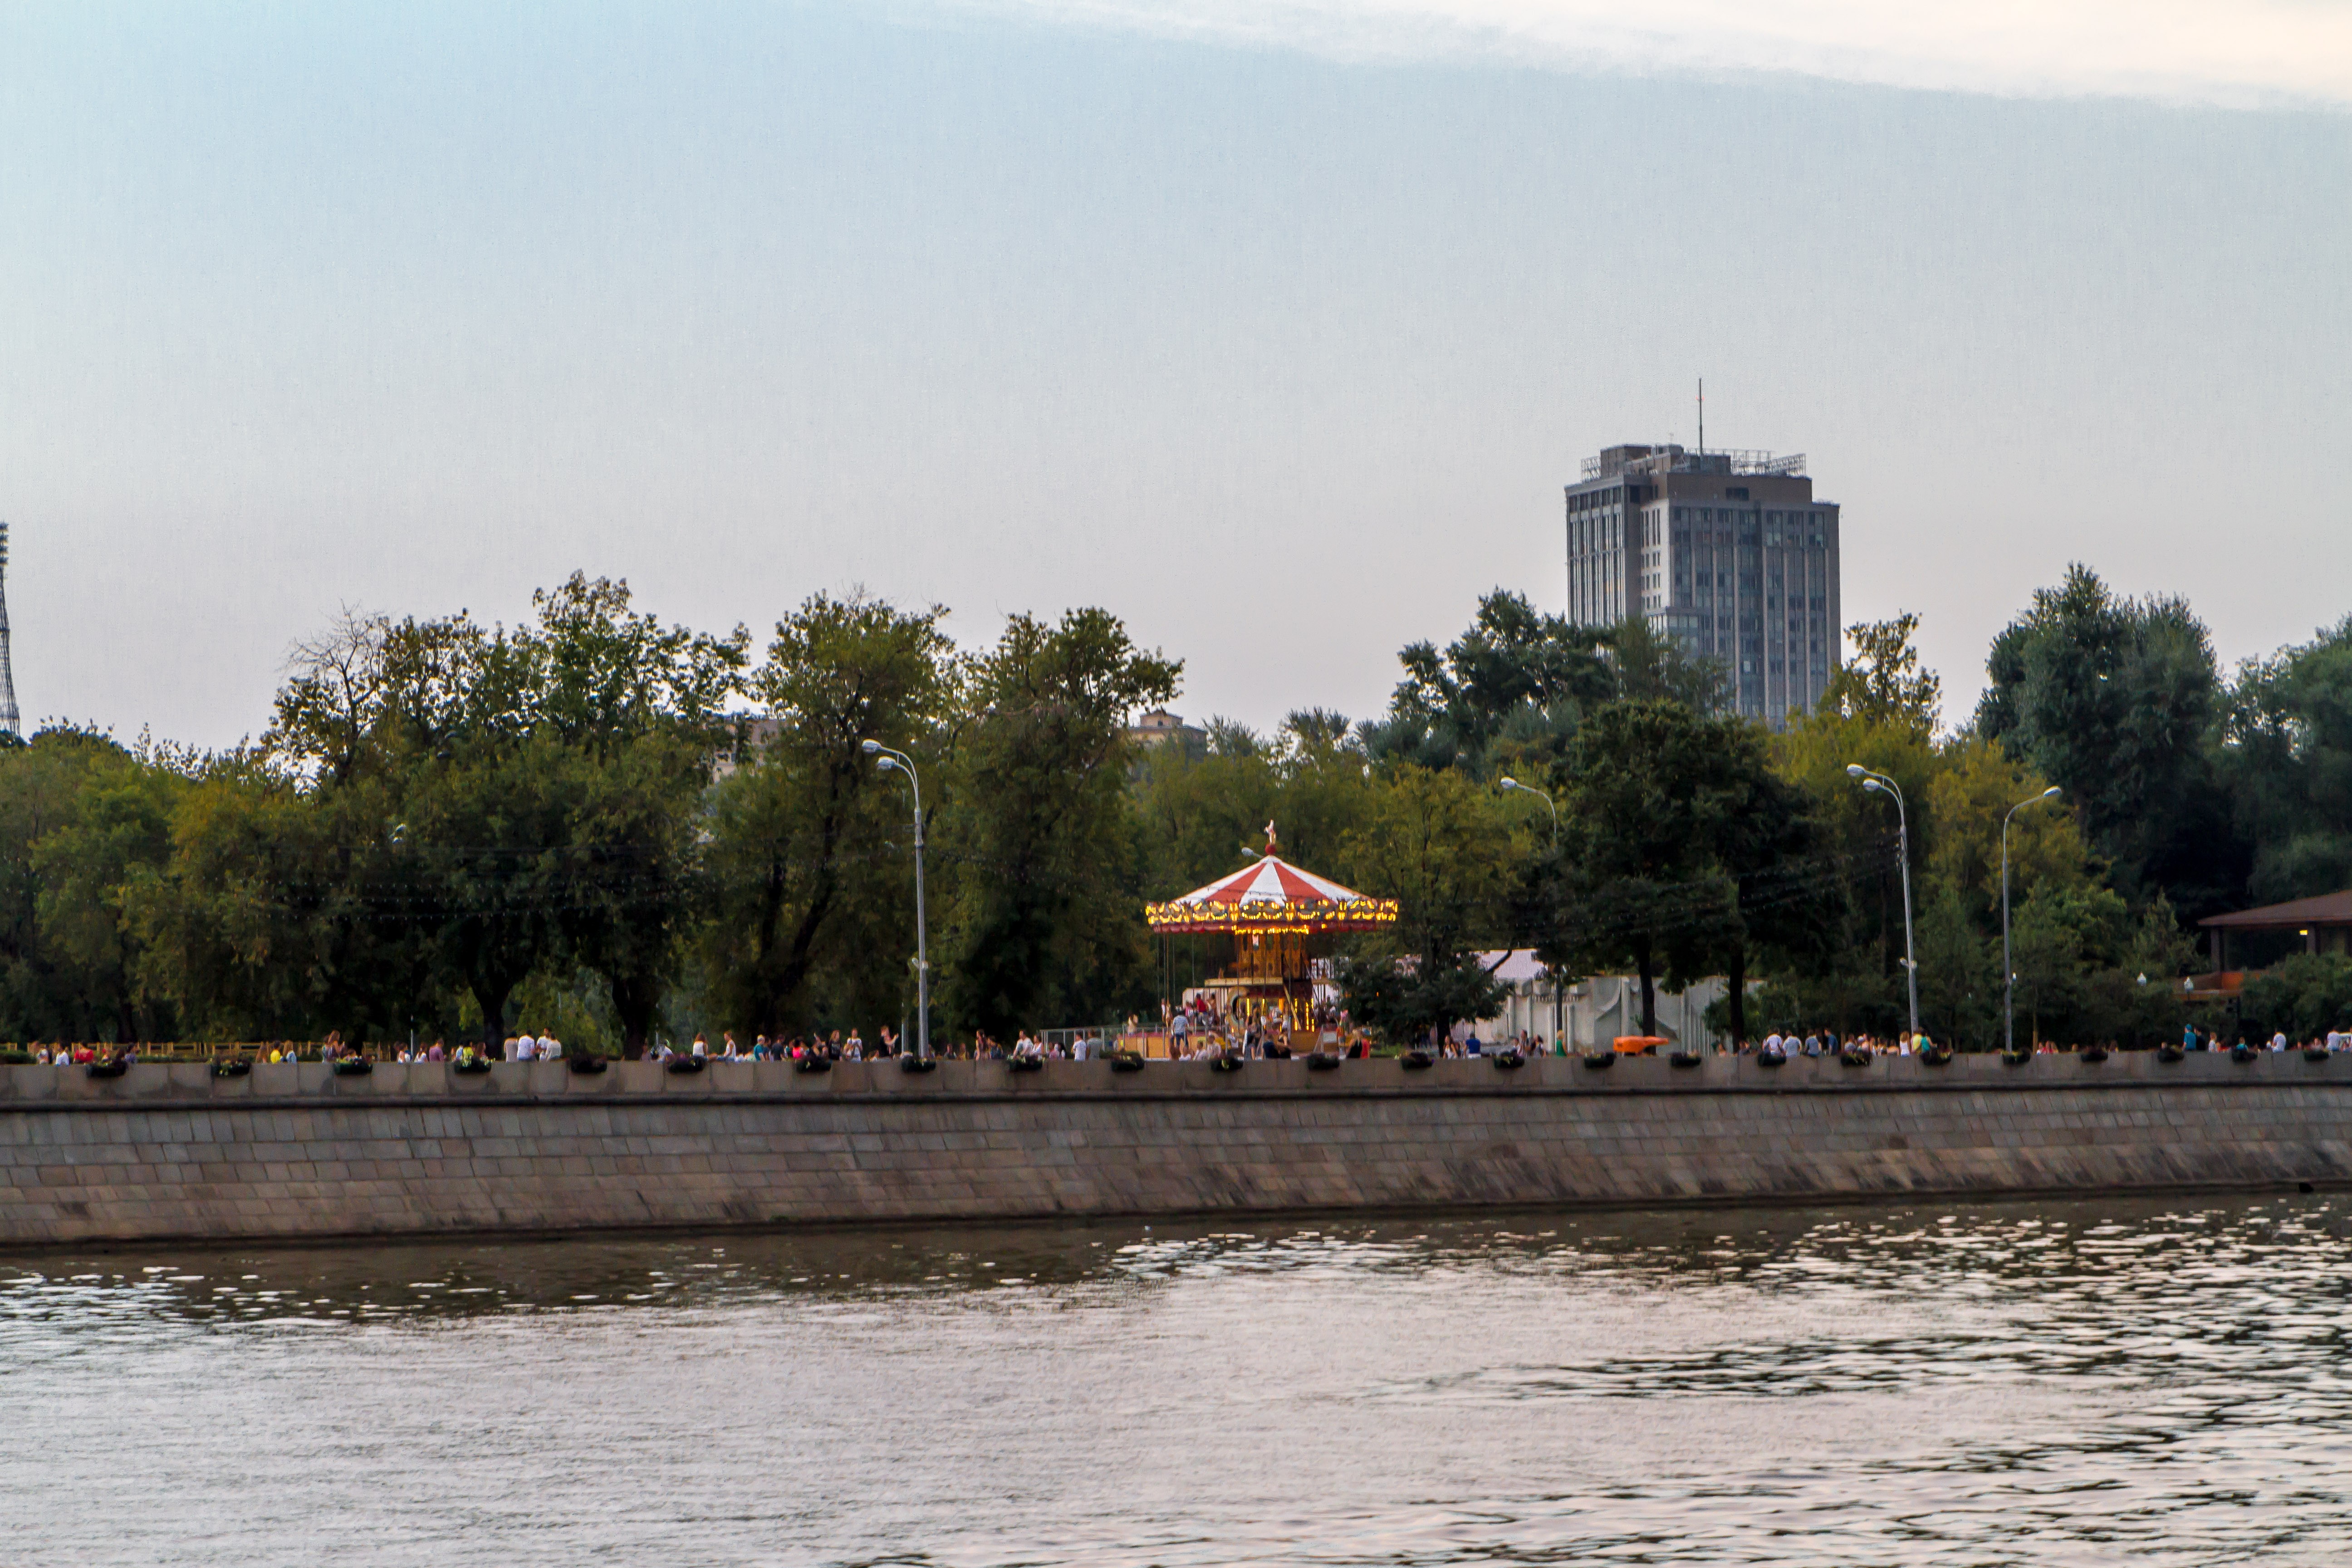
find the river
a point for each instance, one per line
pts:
(2160, 1381)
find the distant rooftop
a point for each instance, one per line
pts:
(1672, 459)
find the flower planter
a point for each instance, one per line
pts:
(2092, 1054)
(584, 1066)
(913, 1063)
(1599, 1061)
(1322, 1061)
(1937, 1056)
(475, 1068)
(1771, 1059)
(241, 1066)
(2314, 1053)
(2016, 1058)
(2244, 1053)
(115, 1069)
(1026, 1064)
(1127, 1061)
(1684, 1059)
(813, 1064)
(1510, 1061)
(1415, 1061)
(686, 1064)
(1853, 1057)
(1230, 1062)
(352, 1066)
(2169, 1053)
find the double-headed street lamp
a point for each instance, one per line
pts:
(1509, 783)
(1886, 785)
(887, 760)
(2009, 970)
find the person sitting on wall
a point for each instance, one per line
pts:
(550, 1050)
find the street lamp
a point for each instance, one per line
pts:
(1509, 783)
(2008, 970)
(886, 759)
(1886, 785)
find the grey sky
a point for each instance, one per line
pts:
(1279, 347)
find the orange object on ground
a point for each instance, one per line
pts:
(1641, 1045)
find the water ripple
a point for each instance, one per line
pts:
(1964, 1384)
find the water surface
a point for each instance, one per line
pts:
(2164, 1381)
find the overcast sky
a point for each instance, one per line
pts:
(1275, 328)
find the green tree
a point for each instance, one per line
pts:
(1044, 917)
(813, 913)
(2119, 702)
(83, 822)
(638, 709)
(1508, 692)
(1647, 665)
(1886, 683)
(275, 916)
(2305, 995)
(1450, 853)
(511, 800)
(1959, 975)
(2288, 766)
(1655, 843)
(1973, 786)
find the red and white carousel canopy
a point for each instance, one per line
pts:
(1268, 895)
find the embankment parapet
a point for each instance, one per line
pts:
(290, 1151)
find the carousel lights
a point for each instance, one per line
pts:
(1299, 919)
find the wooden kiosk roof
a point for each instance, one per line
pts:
(2298, 914)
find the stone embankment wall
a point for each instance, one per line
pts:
(168, 1152)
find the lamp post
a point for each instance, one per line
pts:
(885, 759)
(1509, 783)
(2009, 970)
(1886, 785)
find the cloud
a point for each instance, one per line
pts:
(2239, 53)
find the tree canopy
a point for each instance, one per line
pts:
(630, 825)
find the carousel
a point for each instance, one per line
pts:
(1280, 918)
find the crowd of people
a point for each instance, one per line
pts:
(1193, 1035)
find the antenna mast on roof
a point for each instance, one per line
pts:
(1702, 416)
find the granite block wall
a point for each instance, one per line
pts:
(167, 1152)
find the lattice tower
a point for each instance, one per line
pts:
(8, 720)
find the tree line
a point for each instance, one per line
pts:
(614, 828)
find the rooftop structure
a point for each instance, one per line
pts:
(1161, 728)
(2324, 923)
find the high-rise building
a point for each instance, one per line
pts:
(8, 720)
(1728, 552)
